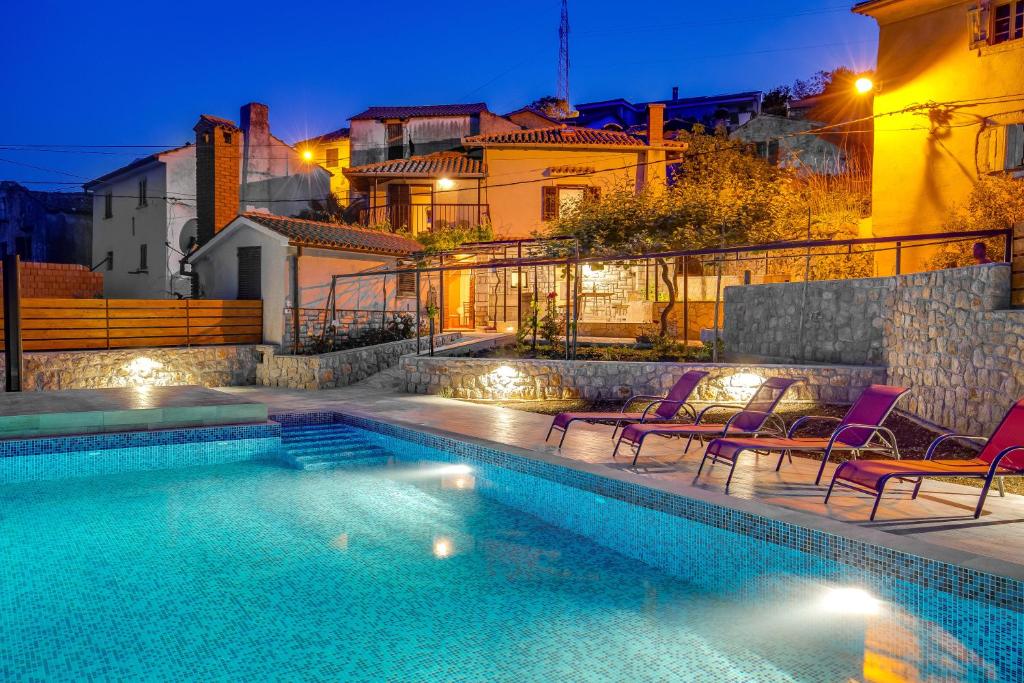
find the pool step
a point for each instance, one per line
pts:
(320, 447)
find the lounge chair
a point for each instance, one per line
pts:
(756, 418)
(859, 431)
(668, 408)
(1003, 455)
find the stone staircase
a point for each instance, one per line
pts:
(391, 378)
(327, 446)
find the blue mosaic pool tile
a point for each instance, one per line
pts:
(885, 565)
(64, 457)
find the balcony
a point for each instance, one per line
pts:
(420, 218)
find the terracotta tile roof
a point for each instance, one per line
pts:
(420, 111)
(452, 164)
(306, 233)
(559, 136)
(340, 134)
(217, 121)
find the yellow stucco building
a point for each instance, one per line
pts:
(331, 151)
(948, 109)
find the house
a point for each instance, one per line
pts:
(785, 142)
(948, 109)
(147, 215)
(288, 263)
(680, 113)
(51, 227)
(388, 133)
(517, 181)
(333, 152)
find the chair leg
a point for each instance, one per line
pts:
(550, 429)
(782, 456)
(917, 488)
(832, 485)
(616, 451)
(878, 499)
(1002, 491)
(732, 471)
(615, 431)
(821, 470)
(689, 441)
(636, 450)
(983, 496)
(702, 461)
(565, 433)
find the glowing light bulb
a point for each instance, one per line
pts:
(307, 155)
(855, 601)
(445, 184)
(864, 85)
(442, 547)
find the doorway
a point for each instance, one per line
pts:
(457, 303)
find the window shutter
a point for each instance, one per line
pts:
(1014, 154)
(249, 275)
(549, 203)
(977, 24)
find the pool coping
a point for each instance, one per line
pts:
(986, 579)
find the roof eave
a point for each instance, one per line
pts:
(355, 250)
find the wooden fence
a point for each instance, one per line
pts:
(65, 324)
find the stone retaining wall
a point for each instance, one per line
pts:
(500, 379)
(338, 368)
(208, 366)
(948, 335)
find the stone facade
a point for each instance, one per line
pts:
(498, 379)
(835, 321)
(208, 366)
(339, 368)
(947, 334)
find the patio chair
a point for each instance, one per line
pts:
(756, 418)
(668, 408)
(859, 431)
(1002, 456)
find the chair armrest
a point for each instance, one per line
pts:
(768, 419)
(934, 445)
(1002, 454)
(700, 415)
(683, 405)
(637, 397)
(875, 430)
(807, 418)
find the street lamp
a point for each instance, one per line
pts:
(864, 85)
(307, 154)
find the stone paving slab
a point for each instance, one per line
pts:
(85, 411)
(939, 524)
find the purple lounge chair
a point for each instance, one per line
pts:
(1003, 456)
(756, 418)
(860, 430)
(668, 407)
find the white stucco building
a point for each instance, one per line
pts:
(145, 213)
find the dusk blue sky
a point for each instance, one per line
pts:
(113, 73)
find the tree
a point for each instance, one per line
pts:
(551, 106)
(995, 203)
(776, 101)
(330, 210)
(721, 195)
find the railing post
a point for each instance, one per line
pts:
(14, 361)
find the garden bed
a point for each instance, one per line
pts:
(643, 353)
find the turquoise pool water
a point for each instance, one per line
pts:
(404, 568)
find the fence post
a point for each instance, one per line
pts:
(14, 361)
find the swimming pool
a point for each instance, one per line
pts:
(408, 563)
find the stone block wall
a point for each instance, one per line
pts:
(834, 321)
(339, 368)
(208, 366)
(949, 335)
(501, 379)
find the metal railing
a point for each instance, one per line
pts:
(418, 218)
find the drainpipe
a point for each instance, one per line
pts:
(295, 300)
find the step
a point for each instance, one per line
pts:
(325, 438)
(324, 446)
(328, 427)
(341, 464)
(337, 454)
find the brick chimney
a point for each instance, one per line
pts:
(655, 124)
(218, 153)
(254, 120)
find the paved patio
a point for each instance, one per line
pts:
(939, 524)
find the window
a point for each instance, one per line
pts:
(1008, 22)
(395, 140)
(249, 273)
(332, 157)
(557, 200)
(407, 284)
(108, 205)
(110, 260)
(227, 138)
(1001, 148)
(143, 265)
(143, 200)
(1014, 147)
